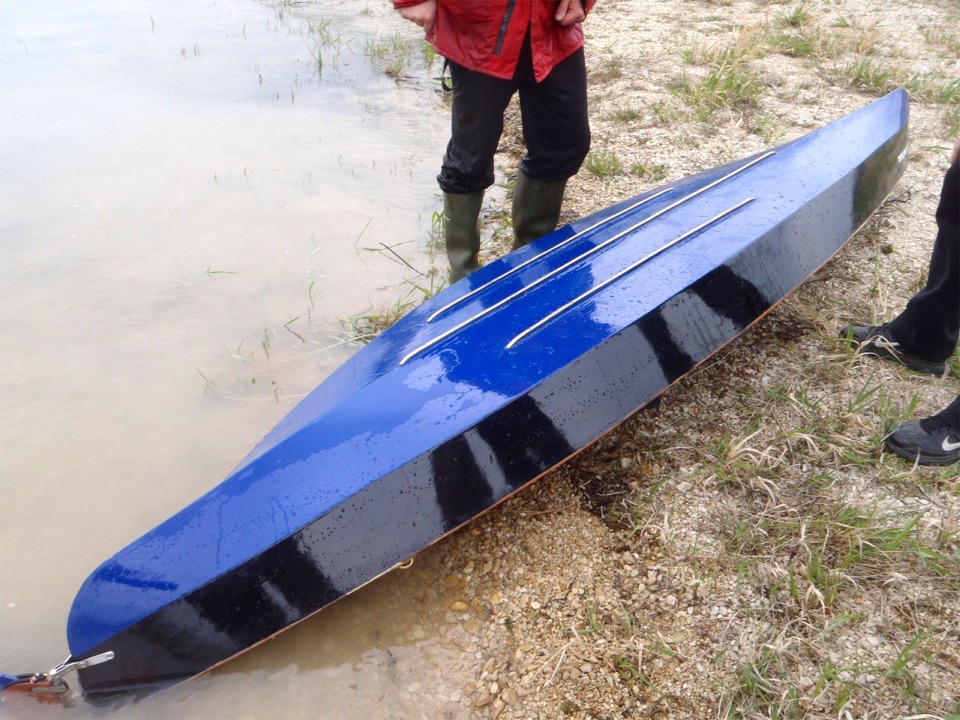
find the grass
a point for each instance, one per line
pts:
(944, 38)
(866, 74)
(321, 38)
(397, 55)
(746, 46)
(610, 68)
(834, 552)
(766, 127)
(656, 173)
(722, 77)
(364, 327)
(794, 44)
(951, 120)
(880, 77)
(603, 163)
(723, 86)
(800, 17)
(949, 93)
(626, 115)
(726, 79)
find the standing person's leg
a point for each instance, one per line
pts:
(476, 125)
(930, 323)
(925, 334)
(556, 131)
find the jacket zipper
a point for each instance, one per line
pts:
(501, 36)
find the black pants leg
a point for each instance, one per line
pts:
(555, 126)
(556, 129)
(930, 324)
(476, 124)
(951, 414)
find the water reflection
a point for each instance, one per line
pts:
(188, 193)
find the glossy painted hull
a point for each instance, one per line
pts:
(475, 394)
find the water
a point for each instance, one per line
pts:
(189, 202)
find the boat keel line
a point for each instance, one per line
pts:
(606, 221)
(597, 248)
(630, 268)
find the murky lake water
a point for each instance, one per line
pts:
(187, 199)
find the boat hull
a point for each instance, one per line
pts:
(476, 394)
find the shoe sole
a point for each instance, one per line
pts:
(911, 362)
(868, 345)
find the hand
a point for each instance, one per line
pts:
(570, 12)
(955, 155)
(424, 14)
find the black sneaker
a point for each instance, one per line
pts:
(876, 340)
(930, 441)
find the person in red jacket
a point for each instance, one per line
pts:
(496, 48)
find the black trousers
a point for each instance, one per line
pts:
(556, 130)
(930, 323)
(951, 414)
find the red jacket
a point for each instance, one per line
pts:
(486, 35)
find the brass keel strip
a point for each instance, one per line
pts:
(630, 268)
(459, 326)
(546, 252)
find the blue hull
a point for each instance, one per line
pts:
(478, 392)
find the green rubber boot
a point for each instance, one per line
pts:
(536, 208)
(461, 233)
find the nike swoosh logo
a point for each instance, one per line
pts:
(949, 446)
(881, 342)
